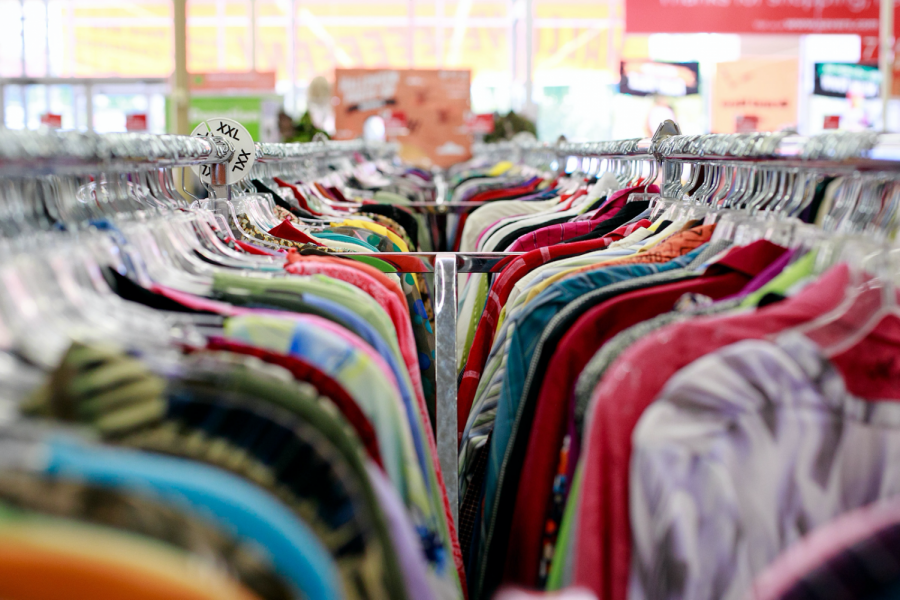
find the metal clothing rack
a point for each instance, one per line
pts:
(27, 154)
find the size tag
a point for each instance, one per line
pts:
(239, 138)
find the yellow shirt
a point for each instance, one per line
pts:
(375, 228)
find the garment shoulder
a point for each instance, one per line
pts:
(744, 378)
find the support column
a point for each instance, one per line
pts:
(292, 59)
(180, 94)
(445, 275)
(89, 106)
(253, 35)
(886, 55)
(439, 32)
(411, 34)
(530, 108)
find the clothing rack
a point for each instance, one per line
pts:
(50, 152)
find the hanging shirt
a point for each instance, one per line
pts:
(486, 326)
(505, 404)
(587, 326)
(629, 386)
(744, 452)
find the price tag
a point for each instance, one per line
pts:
(241, 141)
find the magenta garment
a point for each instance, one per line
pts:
(562, 232)
(550, 235)
(391, 304)
(821, 545)
(618, 200)
(770, 273)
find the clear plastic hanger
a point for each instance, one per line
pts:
(870, 298)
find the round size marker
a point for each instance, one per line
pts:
(240, 140)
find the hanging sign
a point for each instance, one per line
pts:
(858, 17)
(646, 77)
(480, 123)
(136, 122)
(757, 93)
(51, 120)
(240, 140)
(839, 80)
(423, 109)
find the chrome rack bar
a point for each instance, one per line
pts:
(273, 153)
(866, 151)
(25, 153)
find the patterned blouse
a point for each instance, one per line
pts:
(745, 451)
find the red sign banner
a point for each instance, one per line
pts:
(51, 120)
(136, 122)
(480, 123)
(753, 16)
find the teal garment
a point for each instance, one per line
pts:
(345, 239)
(246, 510)
(529, 325)
(381, 243)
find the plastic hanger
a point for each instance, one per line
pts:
(870, 298)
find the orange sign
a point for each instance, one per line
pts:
(759, 91)
(233, 80)
(423, 109)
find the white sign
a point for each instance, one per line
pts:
(239, 139)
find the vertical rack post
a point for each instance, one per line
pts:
(886, 56)
(445, 375)
(180, 93)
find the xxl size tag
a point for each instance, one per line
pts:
(239, 138)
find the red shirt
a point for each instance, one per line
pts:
(298, 196)
(500, 194)
(286, 231)
(575, 350)
(603, 547)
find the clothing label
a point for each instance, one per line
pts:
(241, 142)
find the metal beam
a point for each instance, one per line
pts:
(886, 56)
(445, 376)
(181, 94)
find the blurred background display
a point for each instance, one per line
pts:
(584, 69)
